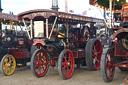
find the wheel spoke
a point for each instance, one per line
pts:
(107, 59)
(63, 63)
(110, 73)
(96, 45)
(10, 69)
(63, 69)
(10, 61)
(69, 59)
(93, 55)
(45, 63)
(35, 65)
(39, 70)
(67, 70)
(6, 69)
(6, 60)
(96, 59)
(94, 48)
(65, 59)
(43, 67)
(98, 52)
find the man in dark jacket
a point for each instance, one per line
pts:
(93, 30)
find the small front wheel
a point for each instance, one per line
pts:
(8, 65)
(66, 64)
(39, 63)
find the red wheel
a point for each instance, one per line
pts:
(66, 64)
(107, 67)
(39, 63)
(86, 34)
(93, 54)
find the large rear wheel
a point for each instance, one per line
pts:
(107, 67)
(8, 65)
(39, 63)
(93, 53)
(66, 64)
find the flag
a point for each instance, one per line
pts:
(84, 13)
(71, 11)
(107, 14)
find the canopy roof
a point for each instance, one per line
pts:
(8, 17)
(40, 14)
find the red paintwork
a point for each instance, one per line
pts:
(122, 64)
(21, 42)
(118, 32)
(37, 42)
(20, 50)
(125, 12)
(13, 50)
(18, 55)
(25, 54)
(79, 53)
(56, 55)
(119, 51)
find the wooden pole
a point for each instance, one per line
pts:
(110, 17)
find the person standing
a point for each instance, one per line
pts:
(93, 30)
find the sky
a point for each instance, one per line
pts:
(17, 6)
(79, 6)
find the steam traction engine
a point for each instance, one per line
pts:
(117, 54)
(61, 43)
(15, 48)
(15, 51)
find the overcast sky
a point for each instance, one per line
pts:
(17, 6)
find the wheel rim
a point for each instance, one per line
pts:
(8, 65)
(124, 42)
(40, 63)
(67, 64)
(96, 54)
(109, 69)
(86, 35)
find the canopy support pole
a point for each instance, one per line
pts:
(52, 28)
(46, 28)
(26, 28)
(110, 18)
(31, 30)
